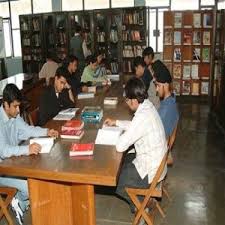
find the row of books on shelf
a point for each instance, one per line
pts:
(189, 71)
(184, 20)
(25, 24)
(136, 17)
(186, 87)
(130, 51)
(187, 54)
(187, 37)
(133, 35)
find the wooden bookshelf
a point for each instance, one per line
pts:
(187, 51)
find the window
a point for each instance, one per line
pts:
(17, 42)
(160, 27)
(7, 37)
(152, 29)
(42, 6)
(154, 3)
(184, 4)
(19, 8)
(96, 4)
(4, 9)
(221, 5)
(207, 2)
(122, 3)
(69, 5)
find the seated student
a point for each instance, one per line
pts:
(13, 130)
(168, 108)
(55, 97)
(101, 68)
(143, 73)
(71, 63)
(49, 68)
(146, 133)
(88, 75)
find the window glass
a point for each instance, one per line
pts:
(96, 4)
(4, 9)
(154, 3)
(122, 3)
(70, 5)
(221, 5)
(184, 4)
(16, 43)
(152, 24)
(19, 8)
(7, 38)
(207, 2)
(41, 6)
(160, 27)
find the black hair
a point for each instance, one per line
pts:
(11, 93)
(135, 89)
(69, 59)
(91, 59)
(78, 28)
(148, 51)
(62, 72)
(139, 61)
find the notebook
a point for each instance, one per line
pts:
(45, 142)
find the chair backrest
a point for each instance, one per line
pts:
(33, 117)
(156, 178)
(172, 137)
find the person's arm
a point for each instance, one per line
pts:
(8, 150)
(131, 135)
(42, 73)
(124, 124)
(66, 101)
(87, 75)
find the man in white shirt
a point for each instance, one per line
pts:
(146, 133)
(49, 68)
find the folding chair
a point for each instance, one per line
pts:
(9, 192)
(149, 196)
(171, 141)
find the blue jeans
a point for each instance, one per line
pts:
(22, 187)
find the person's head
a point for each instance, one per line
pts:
(60, 81)
(71, 63)
(51, 56)
(99, 56)
(162, 79)
(148, 55)
(12, 99)
(92, 61)
(135, 93)
(78, 29)
(139, 66)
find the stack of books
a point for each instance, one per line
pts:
(66, 114)
(72, 129)
(78, 149)
(92, 114)
(110, 101)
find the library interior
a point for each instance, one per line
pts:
(112, 112)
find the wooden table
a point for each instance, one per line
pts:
(62, 187)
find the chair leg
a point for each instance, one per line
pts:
(160, 209)
(5, 212)
(166, 193)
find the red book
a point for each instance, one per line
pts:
(81, 149)
(73, 125)
(72, 134)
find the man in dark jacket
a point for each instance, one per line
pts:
(56, 97)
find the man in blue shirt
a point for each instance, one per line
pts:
(13, 130)
(168, 108)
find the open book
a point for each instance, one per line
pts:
(66, 114)
(108, 135)
(45, 142)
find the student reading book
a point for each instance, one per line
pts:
(55, 97)
(145, 131)
(89, 71)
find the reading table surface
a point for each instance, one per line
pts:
(62, 187)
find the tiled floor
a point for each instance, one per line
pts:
(196, 181)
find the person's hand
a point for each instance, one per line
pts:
(85, 89)
(53, 133)
(110, 122)
(67, 86)
(34, 149)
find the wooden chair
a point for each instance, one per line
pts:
(149, 196)
(33, 117)
(9, 192)
(170, 142)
